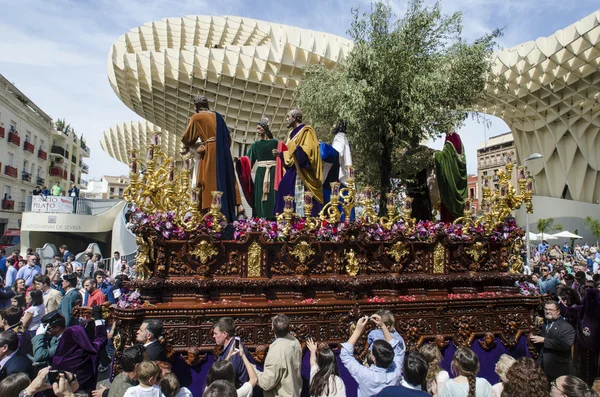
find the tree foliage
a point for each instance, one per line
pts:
(593, 225)
(404, 81)
(546, 225)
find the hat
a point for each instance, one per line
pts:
(52, 317)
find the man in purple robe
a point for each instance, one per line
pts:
(79, 354)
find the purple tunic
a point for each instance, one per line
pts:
(287, 186)
(77, 354)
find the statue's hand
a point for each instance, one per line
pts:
(184, 150)
(275, 153)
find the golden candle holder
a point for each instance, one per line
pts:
(330, 211)
(215, 211)
(369, 216)
(391, 218)
(288, 215)
(348, 194)
(312, 222)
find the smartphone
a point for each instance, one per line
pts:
(236, 343)
(52, 377)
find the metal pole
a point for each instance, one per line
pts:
(527, 236)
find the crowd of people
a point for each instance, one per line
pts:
(46, 348)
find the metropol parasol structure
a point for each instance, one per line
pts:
(249, 68)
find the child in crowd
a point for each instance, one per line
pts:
(436, 376)
(147, 373)
(465, 367)
(171, 388)
(324, 375)
(389, 321)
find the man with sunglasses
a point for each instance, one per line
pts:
(547, 283)
(554, 343)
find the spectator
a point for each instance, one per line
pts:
(543, 247)
(37, 191)
(19, 301)
(6, 293)
(570, 386)
(46, 339)
(56, 282)
(118, 288)
(554, 343)
(130, 359)
(45, 191)
(104, 286)
(220, 388)
(324, 375)
(502, 366)
(224, 335)
(13, 384)
(281, 374)
(546, 283)
(465, 366)
(11, 320)
(71, 299)
(148, 335)
(93, 296)
(78, 271)
(30, 271)
(525, 379)
(586, 318)
(19, 285)
(436, 376)
(11, 273)
(64, 250)
(377, 334)
(90, 267)
(415, 375)
(11, 361)
(3, 261)
(79, 353)
(56, 190)
(32, 317)
(147, 373)
(73, 191)
(170, 387)
(387, 360)
(51, 296)
(223, 370)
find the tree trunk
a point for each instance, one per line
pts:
(385, 175)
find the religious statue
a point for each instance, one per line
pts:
(451, 172)
(340, 143)
(303, 164)
(207, 133)
(261, 154)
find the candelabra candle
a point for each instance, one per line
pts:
(335, 189)
(171, 173)
(390, 199)
(487, 207)
(186, 164)
(289, 202)
(151, 154)
(530, 184)
(134, 166)
(155, 139)
(195, 194)
(216, 197)
(503, 189)
(132, 156)
(467, 205)
(308, 198)
(408, 203)
(367, 193)
(521, 171)
(350, 170)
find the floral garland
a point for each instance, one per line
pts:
(273, 231)
(526, 288)
(131, 300)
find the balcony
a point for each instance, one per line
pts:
(40, 181)
(8, 204)
(28, 146)
(10, 171)
(14, 138)
(2, 131)
(85, 148)
(85, 168)
(58, 151)
(25, 176)
(73, 159)
(43, 155)
(59, 172)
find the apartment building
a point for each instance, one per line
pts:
(33, 153)
(110, 187)
(491, 157)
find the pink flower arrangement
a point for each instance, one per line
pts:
(131, 300)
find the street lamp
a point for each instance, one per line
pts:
(534, 156)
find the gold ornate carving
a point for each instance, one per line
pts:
(398, 251)
(144, 257)
(351, 263)
(439, 259)
(204, 251)
(254, 254)
(476, 251)
(303, 252)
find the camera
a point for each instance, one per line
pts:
(53, 376)
(236, 343)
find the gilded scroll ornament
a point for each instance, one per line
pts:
(351, 263)
(439, 259)
(303, 252)
(477, 251)
(398, 251)
(204, 251)
(254, 253)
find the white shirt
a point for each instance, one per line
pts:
(340, 143)
(37, 312)
(404, 383)
(141, 391)
(245, 390)
(184, 392)
(335, 383)
(454, 389)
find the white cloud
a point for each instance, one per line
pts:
(56, 51)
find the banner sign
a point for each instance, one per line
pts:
(52, 204)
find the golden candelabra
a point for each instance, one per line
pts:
(497, 204)
(393, 216)
(288, 214)
(330, 211)
(158, 186)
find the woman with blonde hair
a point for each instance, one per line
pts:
(436, 376)
(465, 366)
(504, 363)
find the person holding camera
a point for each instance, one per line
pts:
(224, 335)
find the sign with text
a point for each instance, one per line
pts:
(52, 204)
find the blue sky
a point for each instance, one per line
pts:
(56, 51)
